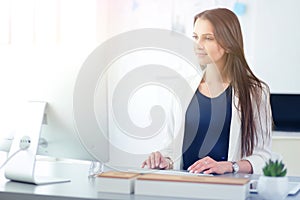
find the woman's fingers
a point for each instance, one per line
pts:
(152, 161)
(157, 156)
(164, 164)
(202, 165)
(155, 161)
(208, 165)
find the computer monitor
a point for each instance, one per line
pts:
(148, 80)
(286, 112)
(48, 74)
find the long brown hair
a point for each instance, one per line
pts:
(247, 86)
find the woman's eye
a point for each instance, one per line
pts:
(209, 38)
(195, 37)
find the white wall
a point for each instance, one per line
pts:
(276, 39)
(287, 145)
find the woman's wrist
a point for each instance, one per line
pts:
(243, 166)
(229, 167)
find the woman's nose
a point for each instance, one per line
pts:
(200, 44)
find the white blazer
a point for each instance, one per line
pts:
(263, 120)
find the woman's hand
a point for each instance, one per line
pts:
(157, 161)
(208, 165)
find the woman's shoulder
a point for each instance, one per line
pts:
(261, 93)
(265, 90)
(261, 89)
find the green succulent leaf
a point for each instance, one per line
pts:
(274, 168)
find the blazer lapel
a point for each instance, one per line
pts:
(235, 129)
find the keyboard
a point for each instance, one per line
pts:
(181, 173)
(167, 172)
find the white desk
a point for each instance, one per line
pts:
(80, 187)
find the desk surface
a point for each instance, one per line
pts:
(80, 187)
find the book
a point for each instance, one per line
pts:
(203, 187)
(116, 182)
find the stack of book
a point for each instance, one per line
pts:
(203, 187)
(116, 182)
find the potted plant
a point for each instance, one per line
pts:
(273, 184)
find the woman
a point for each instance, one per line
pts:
(239, 140)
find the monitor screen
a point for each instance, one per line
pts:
(47, 74)
(286, 112)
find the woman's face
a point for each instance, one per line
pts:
(207, 48)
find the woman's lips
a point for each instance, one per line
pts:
(201, 54)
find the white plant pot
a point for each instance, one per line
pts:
(273, 188)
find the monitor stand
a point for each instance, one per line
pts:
(21, 167)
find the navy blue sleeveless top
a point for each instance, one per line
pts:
(207, 128)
